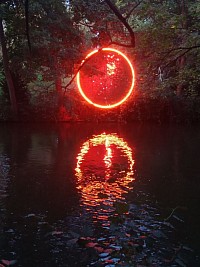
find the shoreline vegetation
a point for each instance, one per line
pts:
(172, 110)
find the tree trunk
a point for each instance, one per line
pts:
(9, 79)
(179, 88)
(184, 25)
(60, 114)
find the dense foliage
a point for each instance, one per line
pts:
(47, 40)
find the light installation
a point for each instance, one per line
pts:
(104, 170)
(106, 78)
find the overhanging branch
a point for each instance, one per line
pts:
(120, 44)
(174, 60)
(132, 9)
(184, 50)
(76, 73)
(123, 20)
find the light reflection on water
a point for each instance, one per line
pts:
(104, 173)
(40, 217)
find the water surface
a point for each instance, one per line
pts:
(71, 192)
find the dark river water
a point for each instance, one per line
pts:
(99, 195)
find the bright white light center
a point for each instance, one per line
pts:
(111, 68)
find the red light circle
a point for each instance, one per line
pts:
(111, 67)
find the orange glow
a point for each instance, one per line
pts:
(103, 83)
(104, 170)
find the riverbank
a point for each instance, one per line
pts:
(161, 110)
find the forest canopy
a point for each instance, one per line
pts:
(44, 42)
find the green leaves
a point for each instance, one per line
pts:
(61, 35)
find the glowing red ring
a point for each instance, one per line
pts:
(123, 99)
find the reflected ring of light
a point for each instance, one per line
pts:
(99, 140)
(130, 89)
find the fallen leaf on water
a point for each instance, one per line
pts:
(105, 259)
(143, 236)
(8, 263)
(109, 261)
(99, 249)
(143, 229)
(108, 250)
(115, 260)
(187, 248)
(115, 247)
(101, 239)
(30, 215)
(91, 244)
(57, 233)
(181, 263)
(103, 255)
(10, 231)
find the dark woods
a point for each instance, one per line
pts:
(44, 43)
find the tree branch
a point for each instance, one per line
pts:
(123, 20)
(182, 48)
(80, 67)
(9, 79)
(120, 44)
(187, 49)
(132, 9)
(174, 60)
